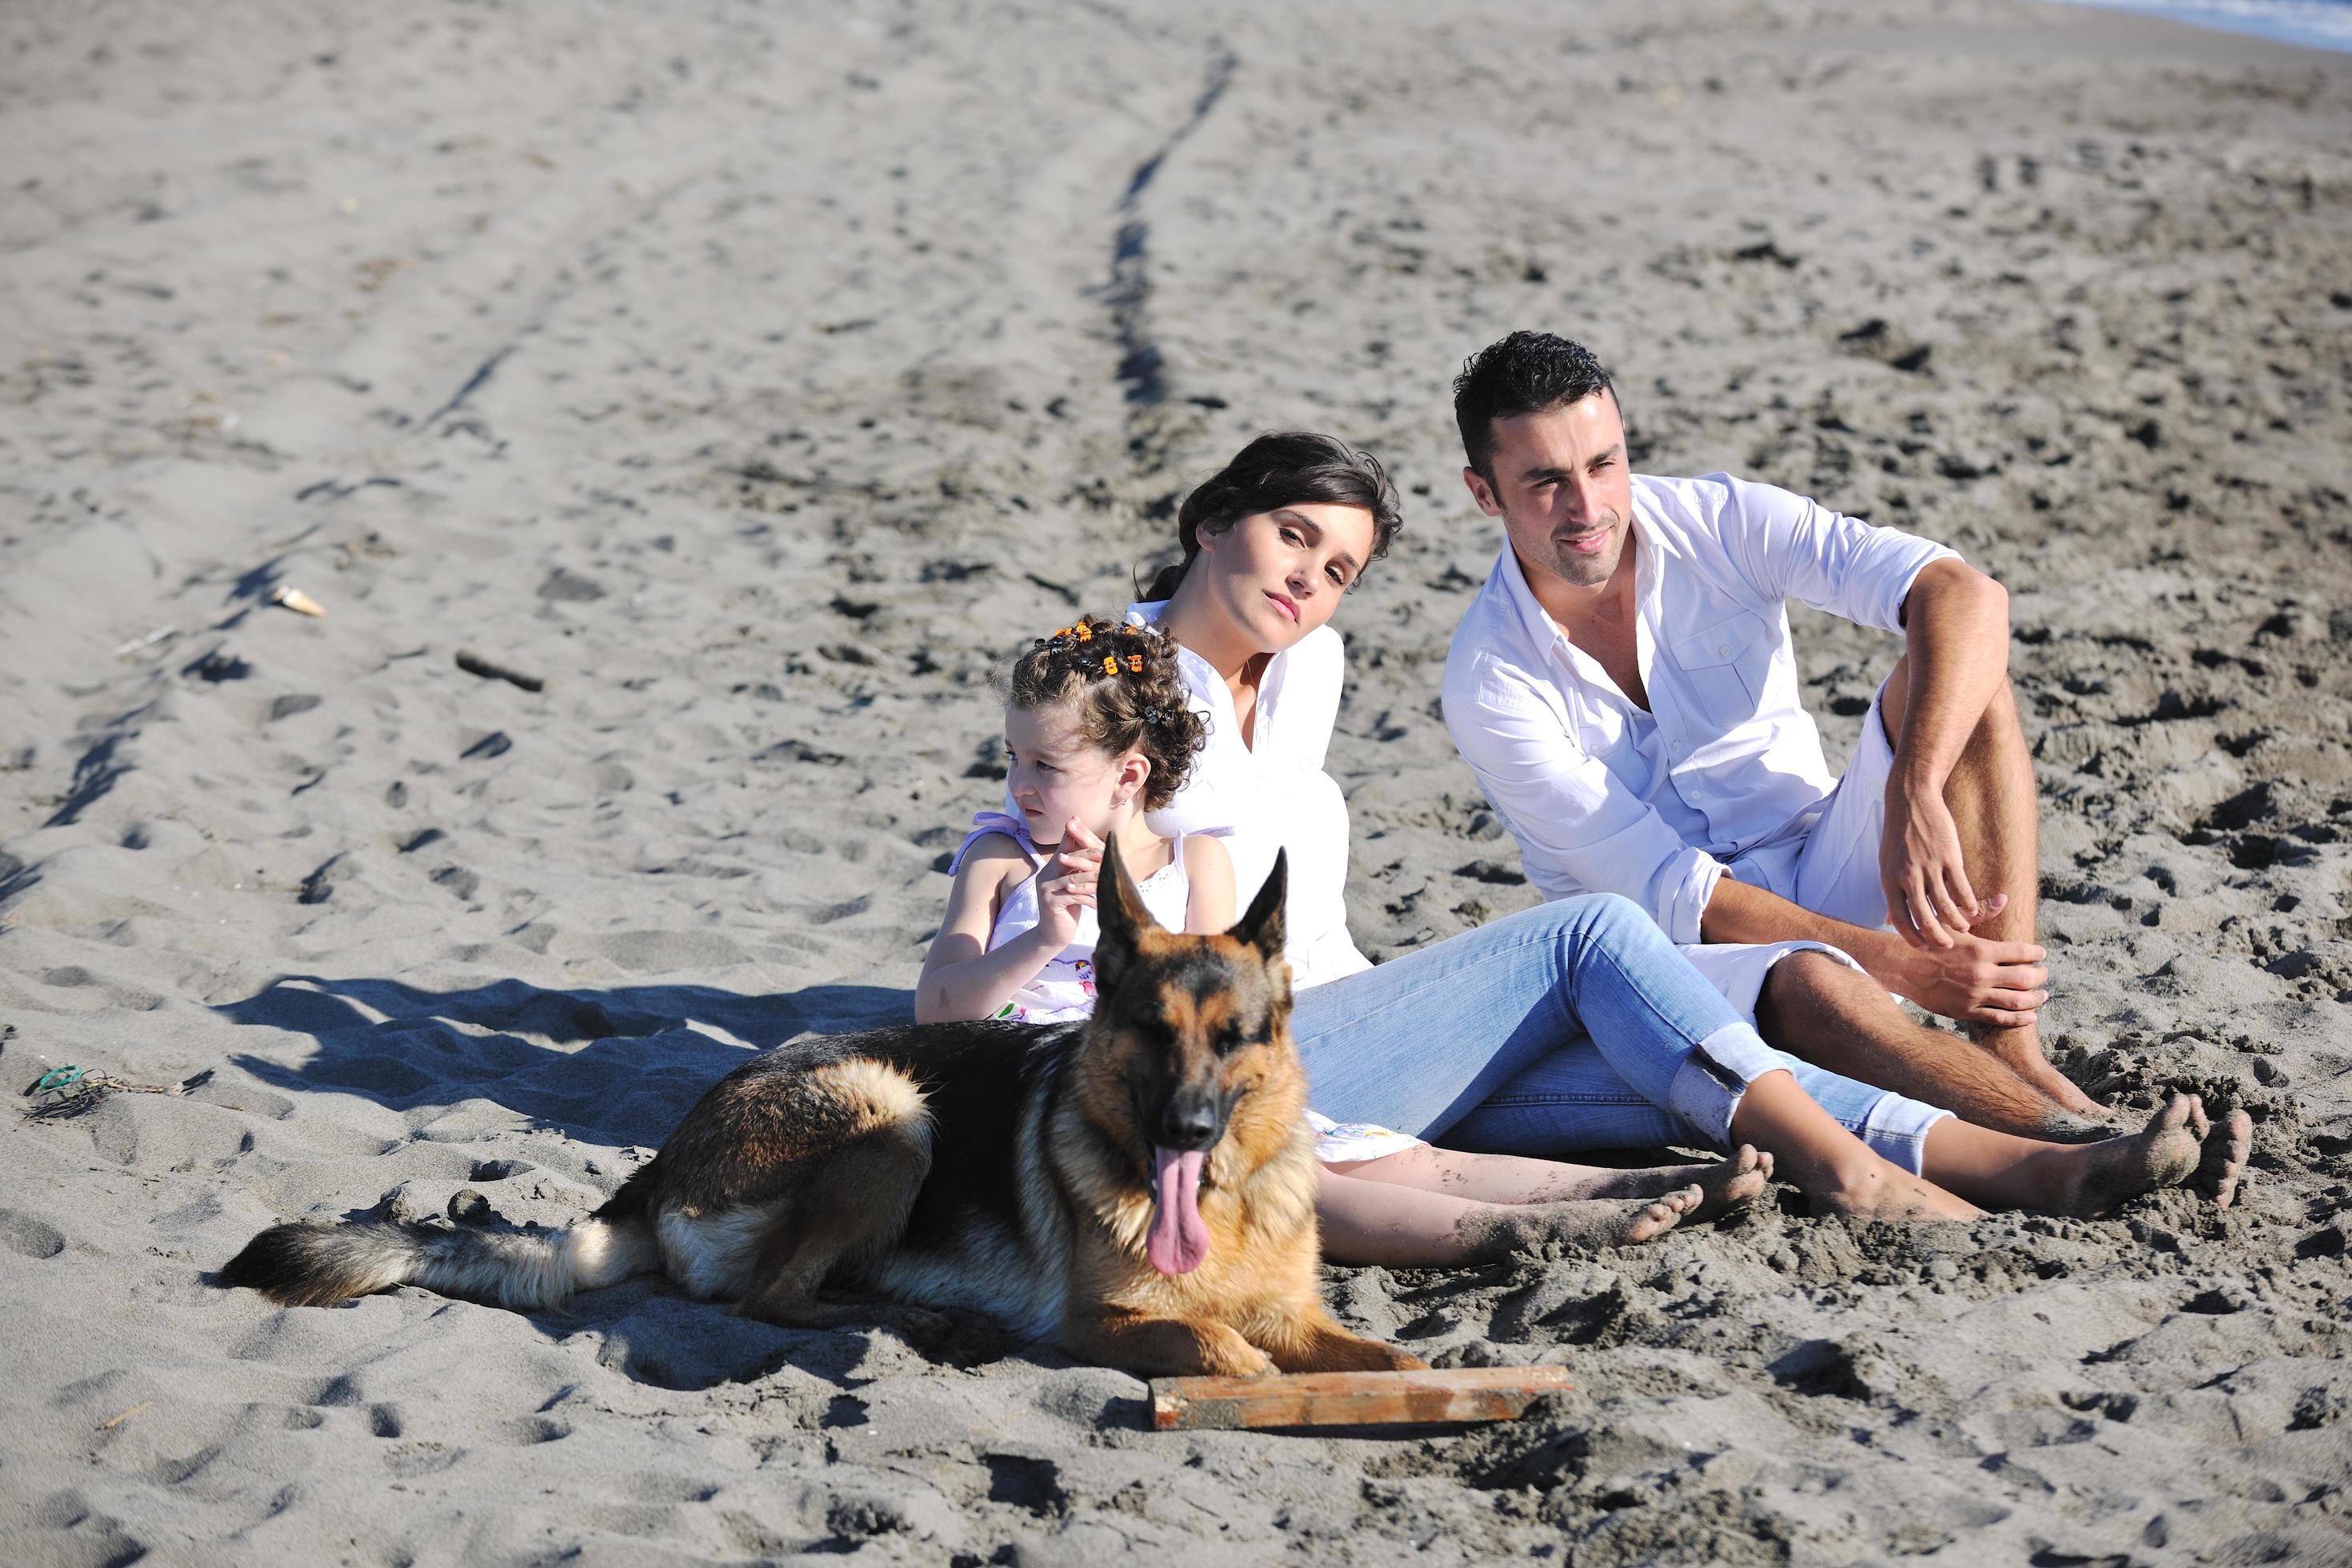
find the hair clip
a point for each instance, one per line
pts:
(1111, 663)
(1086, 632)
(1135, 664)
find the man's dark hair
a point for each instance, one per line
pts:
(1280, 468)
(1527, 373)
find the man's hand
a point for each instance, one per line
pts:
(1927, 894)
(1973, 981)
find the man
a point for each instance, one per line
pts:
(1625, 689)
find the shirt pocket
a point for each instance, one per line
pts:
(1724, 668)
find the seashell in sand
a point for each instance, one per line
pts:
(295, 600)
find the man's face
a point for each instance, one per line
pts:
(1562, 488)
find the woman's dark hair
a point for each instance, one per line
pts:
(1283, 469)
(1527, 373)
(1130, 696)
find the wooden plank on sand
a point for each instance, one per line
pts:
(1351, 1398)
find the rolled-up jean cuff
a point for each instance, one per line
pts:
(1707, 1088)
(1896, 1129)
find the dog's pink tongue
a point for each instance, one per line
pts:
(1178, 1240)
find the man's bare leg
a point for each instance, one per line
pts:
(1996, 808)
(1816, 1008)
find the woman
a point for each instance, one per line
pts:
(1577, 1019)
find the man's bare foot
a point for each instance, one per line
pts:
(1494, 1231)
(2020, 1050)
(1885, 1190)
(2172, 1147)
(1728, 1184)
(2222, 1165)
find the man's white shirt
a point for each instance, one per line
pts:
(1659, 806)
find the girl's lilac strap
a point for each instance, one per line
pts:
(984, 823)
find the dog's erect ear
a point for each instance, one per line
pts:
(1262, 926)
(1120, 914)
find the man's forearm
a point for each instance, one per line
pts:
(1738, 912)
(1956, 647)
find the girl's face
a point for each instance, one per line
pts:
(1279, 574)
(1055, 776)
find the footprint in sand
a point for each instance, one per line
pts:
(28, 1237)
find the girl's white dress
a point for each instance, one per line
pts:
(1065, 988)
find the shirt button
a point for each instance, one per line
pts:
(1722, 649)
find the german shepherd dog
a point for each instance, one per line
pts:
(1139, 1187)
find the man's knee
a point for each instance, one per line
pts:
(1999, 721)
(2000, 712)
(1804, 987)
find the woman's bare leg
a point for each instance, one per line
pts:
(2004, 1172)
(1379, 1222)
(1724, 1185)
(1830, 1165)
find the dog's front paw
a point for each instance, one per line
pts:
(1334, 1351)
(1371, 1355)
(1248, 1361)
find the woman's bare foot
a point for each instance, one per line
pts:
(1732, 1183)
(1728, 1184)
(1885, 1190)
(2066, 1127)
(2224, 1164)
(2095, 1177)
(1493, 1231)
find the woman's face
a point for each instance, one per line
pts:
(1279, 574)
(1055, 776)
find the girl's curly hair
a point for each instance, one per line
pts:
(1128, 695)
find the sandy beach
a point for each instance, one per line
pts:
(753, 382)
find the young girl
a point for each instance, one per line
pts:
(1098, 730)
(1097, 733)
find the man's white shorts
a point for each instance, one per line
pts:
(1831, 870)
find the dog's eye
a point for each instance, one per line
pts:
(1229, 1040)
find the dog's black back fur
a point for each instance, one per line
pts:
(980, 1080)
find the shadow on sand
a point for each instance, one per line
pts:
(614, 1067)
(617, 1066)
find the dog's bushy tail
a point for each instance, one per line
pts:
(310, 1264)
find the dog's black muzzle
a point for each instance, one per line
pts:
(1189, 1119)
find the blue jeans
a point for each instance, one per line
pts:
(1569, 1026)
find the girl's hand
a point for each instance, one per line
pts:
(1080, 855)
(1068, 884)
(1060, 899)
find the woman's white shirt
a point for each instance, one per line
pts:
(1274, 794)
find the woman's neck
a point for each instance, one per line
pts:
(1201, 629)
(1200, 625)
